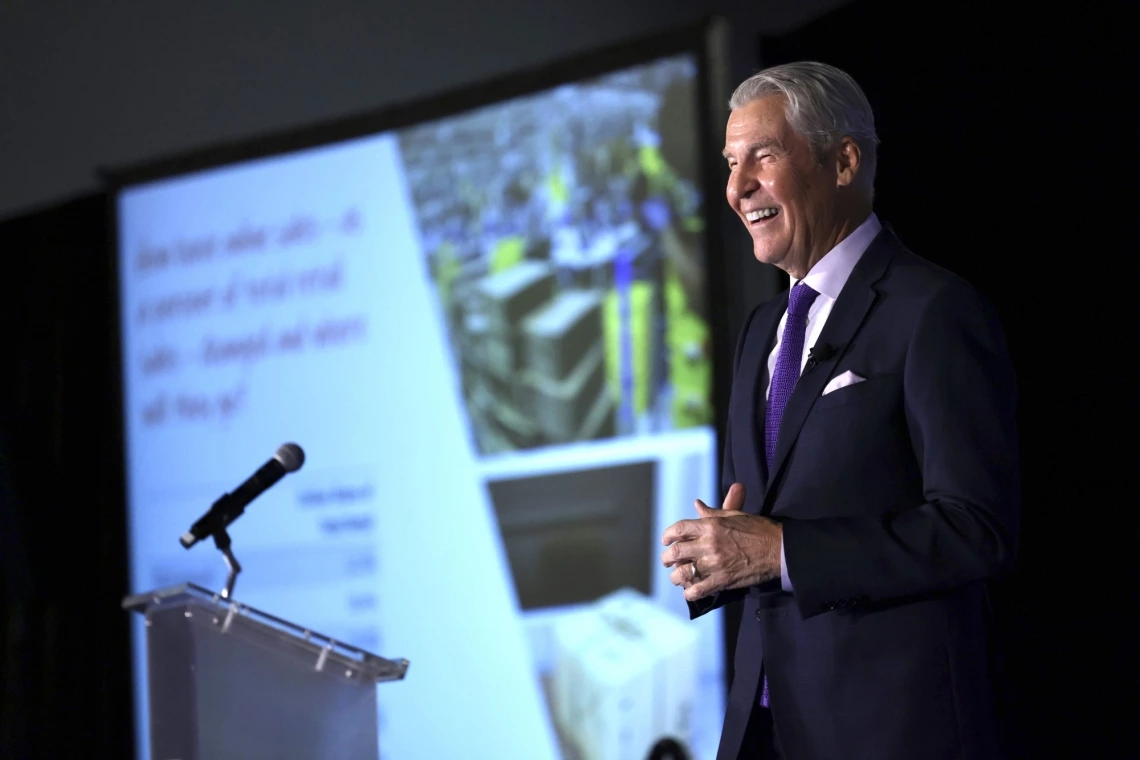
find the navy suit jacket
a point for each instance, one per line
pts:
(899, 496)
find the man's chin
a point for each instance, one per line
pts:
(767, 254)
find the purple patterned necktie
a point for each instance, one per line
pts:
(784, 377)
(788, 363)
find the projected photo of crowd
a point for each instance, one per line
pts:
(564, 235)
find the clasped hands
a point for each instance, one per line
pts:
(722, 549)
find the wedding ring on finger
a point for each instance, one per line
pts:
(693, 574)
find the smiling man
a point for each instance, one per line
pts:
(870, 469)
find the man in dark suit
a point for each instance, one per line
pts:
(870, 464)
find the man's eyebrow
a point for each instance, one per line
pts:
(770, 142)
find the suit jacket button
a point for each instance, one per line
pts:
(758, 615)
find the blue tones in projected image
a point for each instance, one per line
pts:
(539, 266)
(563, 233)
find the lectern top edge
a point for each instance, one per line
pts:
(230, 617)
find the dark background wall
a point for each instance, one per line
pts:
(64, 644)
(1007, 153)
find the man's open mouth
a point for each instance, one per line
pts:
(761, 215)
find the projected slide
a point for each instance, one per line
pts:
(490, 335)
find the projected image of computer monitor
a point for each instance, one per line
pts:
(489, 328)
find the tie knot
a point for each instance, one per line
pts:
(800, 300)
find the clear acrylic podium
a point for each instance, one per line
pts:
(227, 681)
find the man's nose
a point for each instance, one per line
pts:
(741, 185)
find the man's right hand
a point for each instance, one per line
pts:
(724, 549)
(732, 505)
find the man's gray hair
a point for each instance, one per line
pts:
(824, 105)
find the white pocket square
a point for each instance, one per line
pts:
(842, 381)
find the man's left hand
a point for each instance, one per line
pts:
(722, 549)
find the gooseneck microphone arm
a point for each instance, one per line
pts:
(230, 507)
(233, 567)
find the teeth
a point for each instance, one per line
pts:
(763, 213)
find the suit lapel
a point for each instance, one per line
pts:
(850, 309)
(754, 372)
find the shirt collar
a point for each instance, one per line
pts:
(830, 273)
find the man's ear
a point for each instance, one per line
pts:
(848, 162)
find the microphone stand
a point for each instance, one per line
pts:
(222, 541)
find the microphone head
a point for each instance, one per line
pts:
(290, 456)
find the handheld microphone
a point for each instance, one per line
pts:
(818, 354)
(230, 506)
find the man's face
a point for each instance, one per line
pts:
(786, 199)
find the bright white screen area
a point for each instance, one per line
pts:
(489, 333)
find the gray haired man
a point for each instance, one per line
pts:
(871, 468)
